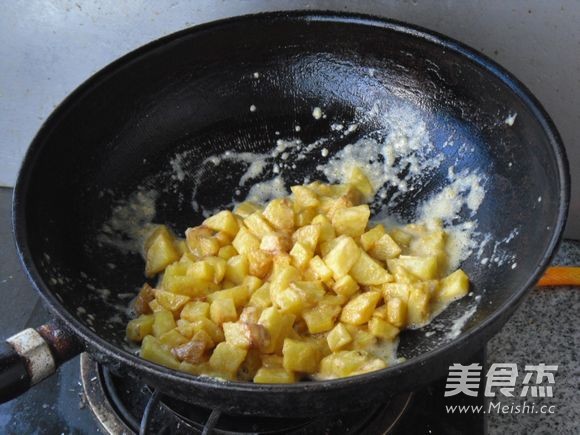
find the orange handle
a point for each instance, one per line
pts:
(560, 275)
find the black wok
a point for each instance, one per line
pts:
(192, 90)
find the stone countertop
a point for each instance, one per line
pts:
(544, 329)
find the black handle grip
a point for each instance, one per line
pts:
(31, 356)
(14, 377)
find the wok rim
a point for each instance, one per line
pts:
(480, 333)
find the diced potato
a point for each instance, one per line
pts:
(397, 290)
(300, 356)
(326, 229)
(351, 221)
(171, 301)
(261, 297)
(278, 325)
(342, 257)
(246, 208)
(223, 310)
(239, 294)
(397, 312)
(304, 197)
(141, 302)
(276, 243)
(453, 287)
(423, 267)
(338, 337)
(401, 237)
(258, 225)
(181, 246)
(237, 334)
(160, 251)
(368, 239)
(418, 308)
(192, 352)
(223, 238)
(358, 179)
(219, 267)
(305, 216)
(360, 308)
(163, 322)
(237, 268)
(331, 208)
(259, 263)
(223, 221)
(252, 283)
(368, 272)
(249, 368)
(431, 244)
(187, 285)
(138, 328)
(212, 329)
(185, 328)
(321, 318)
(152, 350)
(227, 252)
(202, 270)
(281, 279)
(362, 338)
(318, 269)
(155, 306)
(348, 363)
(308, 236)
(385, 248)
(345, 286)
(382, 329)
(301, 255)
(274, 376)
(227, 358)
(201, 244)
(172, 339)
(290, 300)
(245, 241)
(280, 214)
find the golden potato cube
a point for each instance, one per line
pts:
(223, 221)
(325, 247)
(155, 306)
(227, 252)
(401, 237)
(301, 255)
(280, 214)
(383, 329)
(330, 206)
(304, 217)
(281, 260)
(240, 294)
(187, 285)
(195, 310)
(160, 251)
(381, 312)
(423, 267)
(348, 363)
(338, 337)
(227, 358)
(261, 297)
(219, 267)
(278, 325)
(252, 283)
(185, 328)
(266, 375)
(152, 350)
(321, 318)
(397, 312)
(431, 244)
(259, 263)
(326, 229)
(163, 322)
(237, 334)
(308, 236)
(201, 244)
(281, 279)
(223, 238)
(453, 287)
(400, 273)
(141, 302)
(342, 257)
(367, 271)
(223, 310)
(202, 270)
(245, 241)
(272, 361)
(351, 221)
(258, 224)
(170, 301)
(250, 366)
(360, 308)
(212, 329)
(345, 286)
(362, 338)
(313, 290)
(276, 243)
(385, 248)
(138, 328)
(304, 197)
(368, 239)
(172, 339)
(237, 268)
(181, 246)
(317, 269)
(290, 300)
(300, 356)
(418, 308)
(358, 179)
(246, 208)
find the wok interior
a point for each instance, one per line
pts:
(119, 133)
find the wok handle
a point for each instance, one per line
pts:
(561, 276)
(32, 355)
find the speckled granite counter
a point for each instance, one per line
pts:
(545, 329)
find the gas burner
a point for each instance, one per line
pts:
(123, 406)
